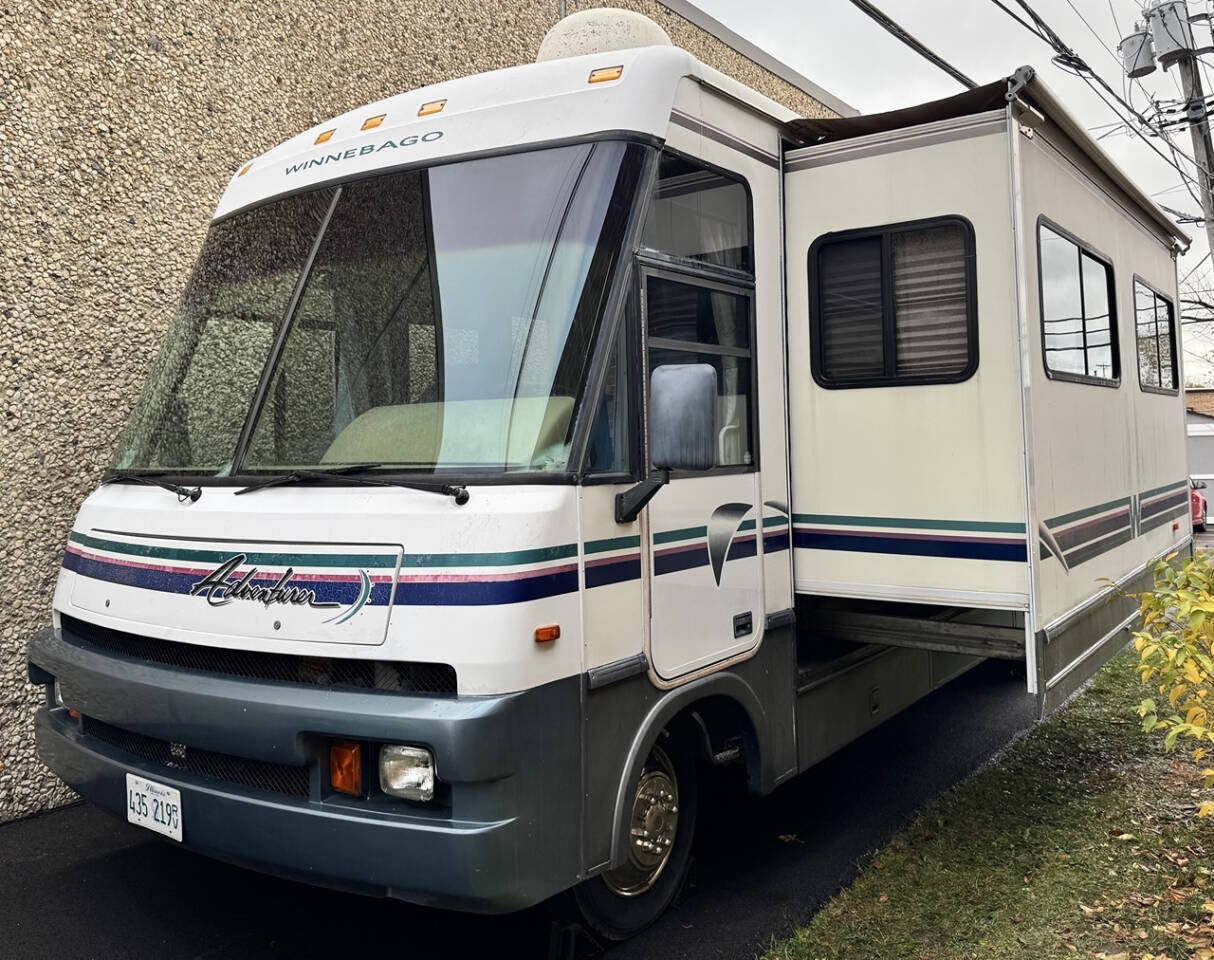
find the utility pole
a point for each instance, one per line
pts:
(1168, 38)
(1199, 129)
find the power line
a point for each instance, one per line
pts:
(896, 30)
(1066, 58)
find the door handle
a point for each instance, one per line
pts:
(743, 624)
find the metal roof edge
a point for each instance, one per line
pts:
(1039, 94)
(715, 28)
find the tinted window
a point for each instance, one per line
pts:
(690, 323)
(1155, 327)
(894, 305)
(1078, 320)
(699, 214)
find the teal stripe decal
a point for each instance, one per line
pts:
(613, 543)
(907, 523)
(367, 560)
(687, 533)
(1147, 494)
(775, 521)
(509, 558)
(1086, 512)
(188, 555)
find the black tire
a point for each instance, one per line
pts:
(1201, 527)
(615, 916)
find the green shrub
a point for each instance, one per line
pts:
(1176, 657)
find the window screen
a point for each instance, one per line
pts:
(894, 305)
(1078, 319)
(1156, 332)
(697, 213)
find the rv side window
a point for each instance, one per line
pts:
(1155, 325)
(700, 214)
(1078, 311)
(691, 321)
(894, 305)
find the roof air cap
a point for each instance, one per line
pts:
(600, 30)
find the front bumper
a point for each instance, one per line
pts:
(503, 835)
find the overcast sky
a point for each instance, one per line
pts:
(840, 49)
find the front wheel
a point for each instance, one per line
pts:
(1201, 526)
(623, 901)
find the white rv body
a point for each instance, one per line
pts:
(849, 551)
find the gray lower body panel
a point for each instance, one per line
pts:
(842, 704)
(503, 834)
(1068, 654)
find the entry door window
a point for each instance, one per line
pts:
(690, 322)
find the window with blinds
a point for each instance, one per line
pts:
(1155, 328)
(894, 305)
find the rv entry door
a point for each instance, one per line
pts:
(705, 571)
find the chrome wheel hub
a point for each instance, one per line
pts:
(653, 827)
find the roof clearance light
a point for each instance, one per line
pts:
(326, 136)
(604, 74)
(372, 122)
(245, 169)
(431, 108)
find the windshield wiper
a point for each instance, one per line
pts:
(354, 474)
(183, 493)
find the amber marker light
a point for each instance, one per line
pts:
(245, 169)
(345, 767)
(605, 74)
(547, 634)
(326, 136)
(372, 122)
(431, 108)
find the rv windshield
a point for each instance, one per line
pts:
(445, 322)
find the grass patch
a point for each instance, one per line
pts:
(1081, 841)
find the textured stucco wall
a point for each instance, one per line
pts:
(120, 122)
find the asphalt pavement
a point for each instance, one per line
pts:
(76, 883)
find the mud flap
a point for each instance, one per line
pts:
(1070, 651)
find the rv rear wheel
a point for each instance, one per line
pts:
(624, 900)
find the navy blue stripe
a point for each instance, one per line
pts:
(1162, 505)
(445, 593)
(1010, 550)
(741, 549)
(775, 542)
(626, 568)
(682, 560)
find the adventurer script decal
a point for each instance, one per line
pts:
(220, 587)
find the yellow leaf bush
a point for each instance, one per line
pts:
(1176, 657)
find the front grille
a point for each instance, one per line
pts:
(331, 672)
(253, 774)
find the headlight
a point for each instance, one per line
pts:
(406, 772)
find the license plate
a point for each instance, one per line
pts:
(153, 805)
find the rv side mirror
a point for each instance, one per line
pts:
(682, 430)
(1201, 484)
(683, 416)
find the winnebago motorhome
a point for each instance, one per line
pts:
(525, 441)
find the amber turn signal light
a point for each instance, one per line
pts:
(345, 767)
(431, 108)
(372, 122)
(547, 634)
(604, 74)
(326, 136)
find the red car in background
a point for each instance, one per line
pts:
(1197, 504)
